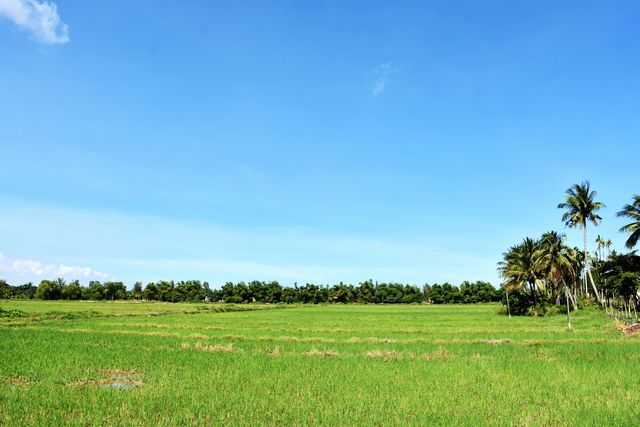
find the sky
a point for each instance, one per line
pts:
(307, 141)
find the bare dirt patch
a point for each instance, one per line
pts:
(307, 339)
(214, 348)
(276, 351)
(119, 372)
(497, 341)
(384, 354)
(439, 354)
(314, 352)
(198, 336)
(17, 382)
(373, 340)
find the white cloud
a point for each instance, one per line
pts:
(36, 269)
(39, 18)
(382, 75)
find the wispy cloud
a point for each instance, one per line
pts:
(38, 17)
(29, 268)
(382, 76)
(146, 248)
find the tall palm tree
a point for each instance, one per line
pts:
(522, 266)
(580, 208)
(632, 211)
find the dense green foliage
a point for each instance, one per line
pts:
(312, 365)
(366, 292)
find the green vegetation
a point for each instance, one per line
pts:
(632, 211)
(256, 291)
(540, 274)
(320, 364)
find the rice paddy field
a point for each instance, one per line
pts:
(90, 363)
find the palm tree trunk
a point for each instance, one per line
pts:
(586, 258)
(533, 293)
(566, 296)
(587, 267)
(593, 284)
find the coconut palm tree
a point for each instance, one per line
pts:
(556, 259)
(522, 267)
(601, 244)
(580, 208)
(632, 211)
(559, 266)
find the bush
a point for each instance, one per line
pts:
(522, 305)
(544, 309)
(13, 313)
(519, 302)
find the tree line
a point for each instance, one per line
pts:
(258, 292)
(542, 272)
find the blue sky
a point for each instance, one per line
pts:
(306, 140)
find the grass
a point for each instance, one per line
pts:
(177, 364)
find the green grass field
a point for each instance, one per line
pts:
(185, 364)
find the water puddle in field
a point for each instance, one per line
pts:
(119, 385)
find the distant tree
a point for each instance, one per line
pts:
(150, 292)
(290, 295)
(256, 292)
(4, 289)
(191, 290)
(426, 289)
(313, 294)
(72, 291)
(95, 291)
(366, 292)
(166, 291)
(242, 292)
(342, 293)
(435, 294)
(136, 292)
(115, 290)
(208, 292)
(50, 290)
(411, 295)
(26, 291)
(468, 293)
(451, 294)
(273, 292)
